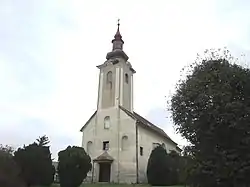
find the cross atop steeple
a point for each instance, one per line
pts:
(117, 41)
(117, 50)
(118, 23)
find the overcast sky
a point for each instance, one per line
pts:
(49, 51)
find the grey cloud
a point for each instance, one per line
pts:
(61, 142)
(23, 47)
(241, 53)
(29, 32)
(224, 7)
(24, 131)
(162, 118)
(28, 130)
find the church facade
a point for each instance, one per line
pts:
(119, 140)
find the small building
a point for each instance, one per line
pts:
(56, 176)
(119, 140)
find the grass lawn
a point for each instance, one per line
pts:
(113, 185)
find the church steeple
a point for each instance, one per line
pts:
(116, 78)
(117, 50)
(117, 41)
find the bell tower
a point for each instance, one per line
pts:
(116, 77)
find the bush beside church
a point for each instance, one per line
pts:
(166, 169)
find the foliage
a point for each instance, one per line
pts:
(157, 168)
(173, 162)
(179, 168)
(36, 164)
(9, 171)
(7, 149)
(186, 170)
(42, 141)
(74, 164)
(211, 109)
(174, 167)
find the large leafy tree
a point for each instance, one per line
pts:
(7, 149)
(74, 164)
(158, 168)
(174, 161)
(35, 163)
(211, 109)
(185, 167)
(9, 170)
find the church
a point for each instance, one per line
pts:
(119, 140)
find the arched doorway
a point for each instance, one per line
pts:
(104, 161)
(104, 171)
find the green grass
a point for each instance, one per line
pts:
(113, 185)
(106, 185)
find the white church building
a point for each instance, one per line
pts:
(119, 140)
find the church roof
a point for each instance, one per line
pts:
(88, 121)
(147, 124)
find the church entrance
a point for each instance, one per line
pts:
(104, 161)
(104, 172)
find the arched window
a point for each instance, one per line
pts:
(89, 147)
(126, 77)
(124, 142)
(107, 122)
(109, 80)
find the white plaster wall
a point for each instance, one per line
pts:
(87, 135)
(88, 132)
(123, 169)
(128, 155)
(120, 125)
